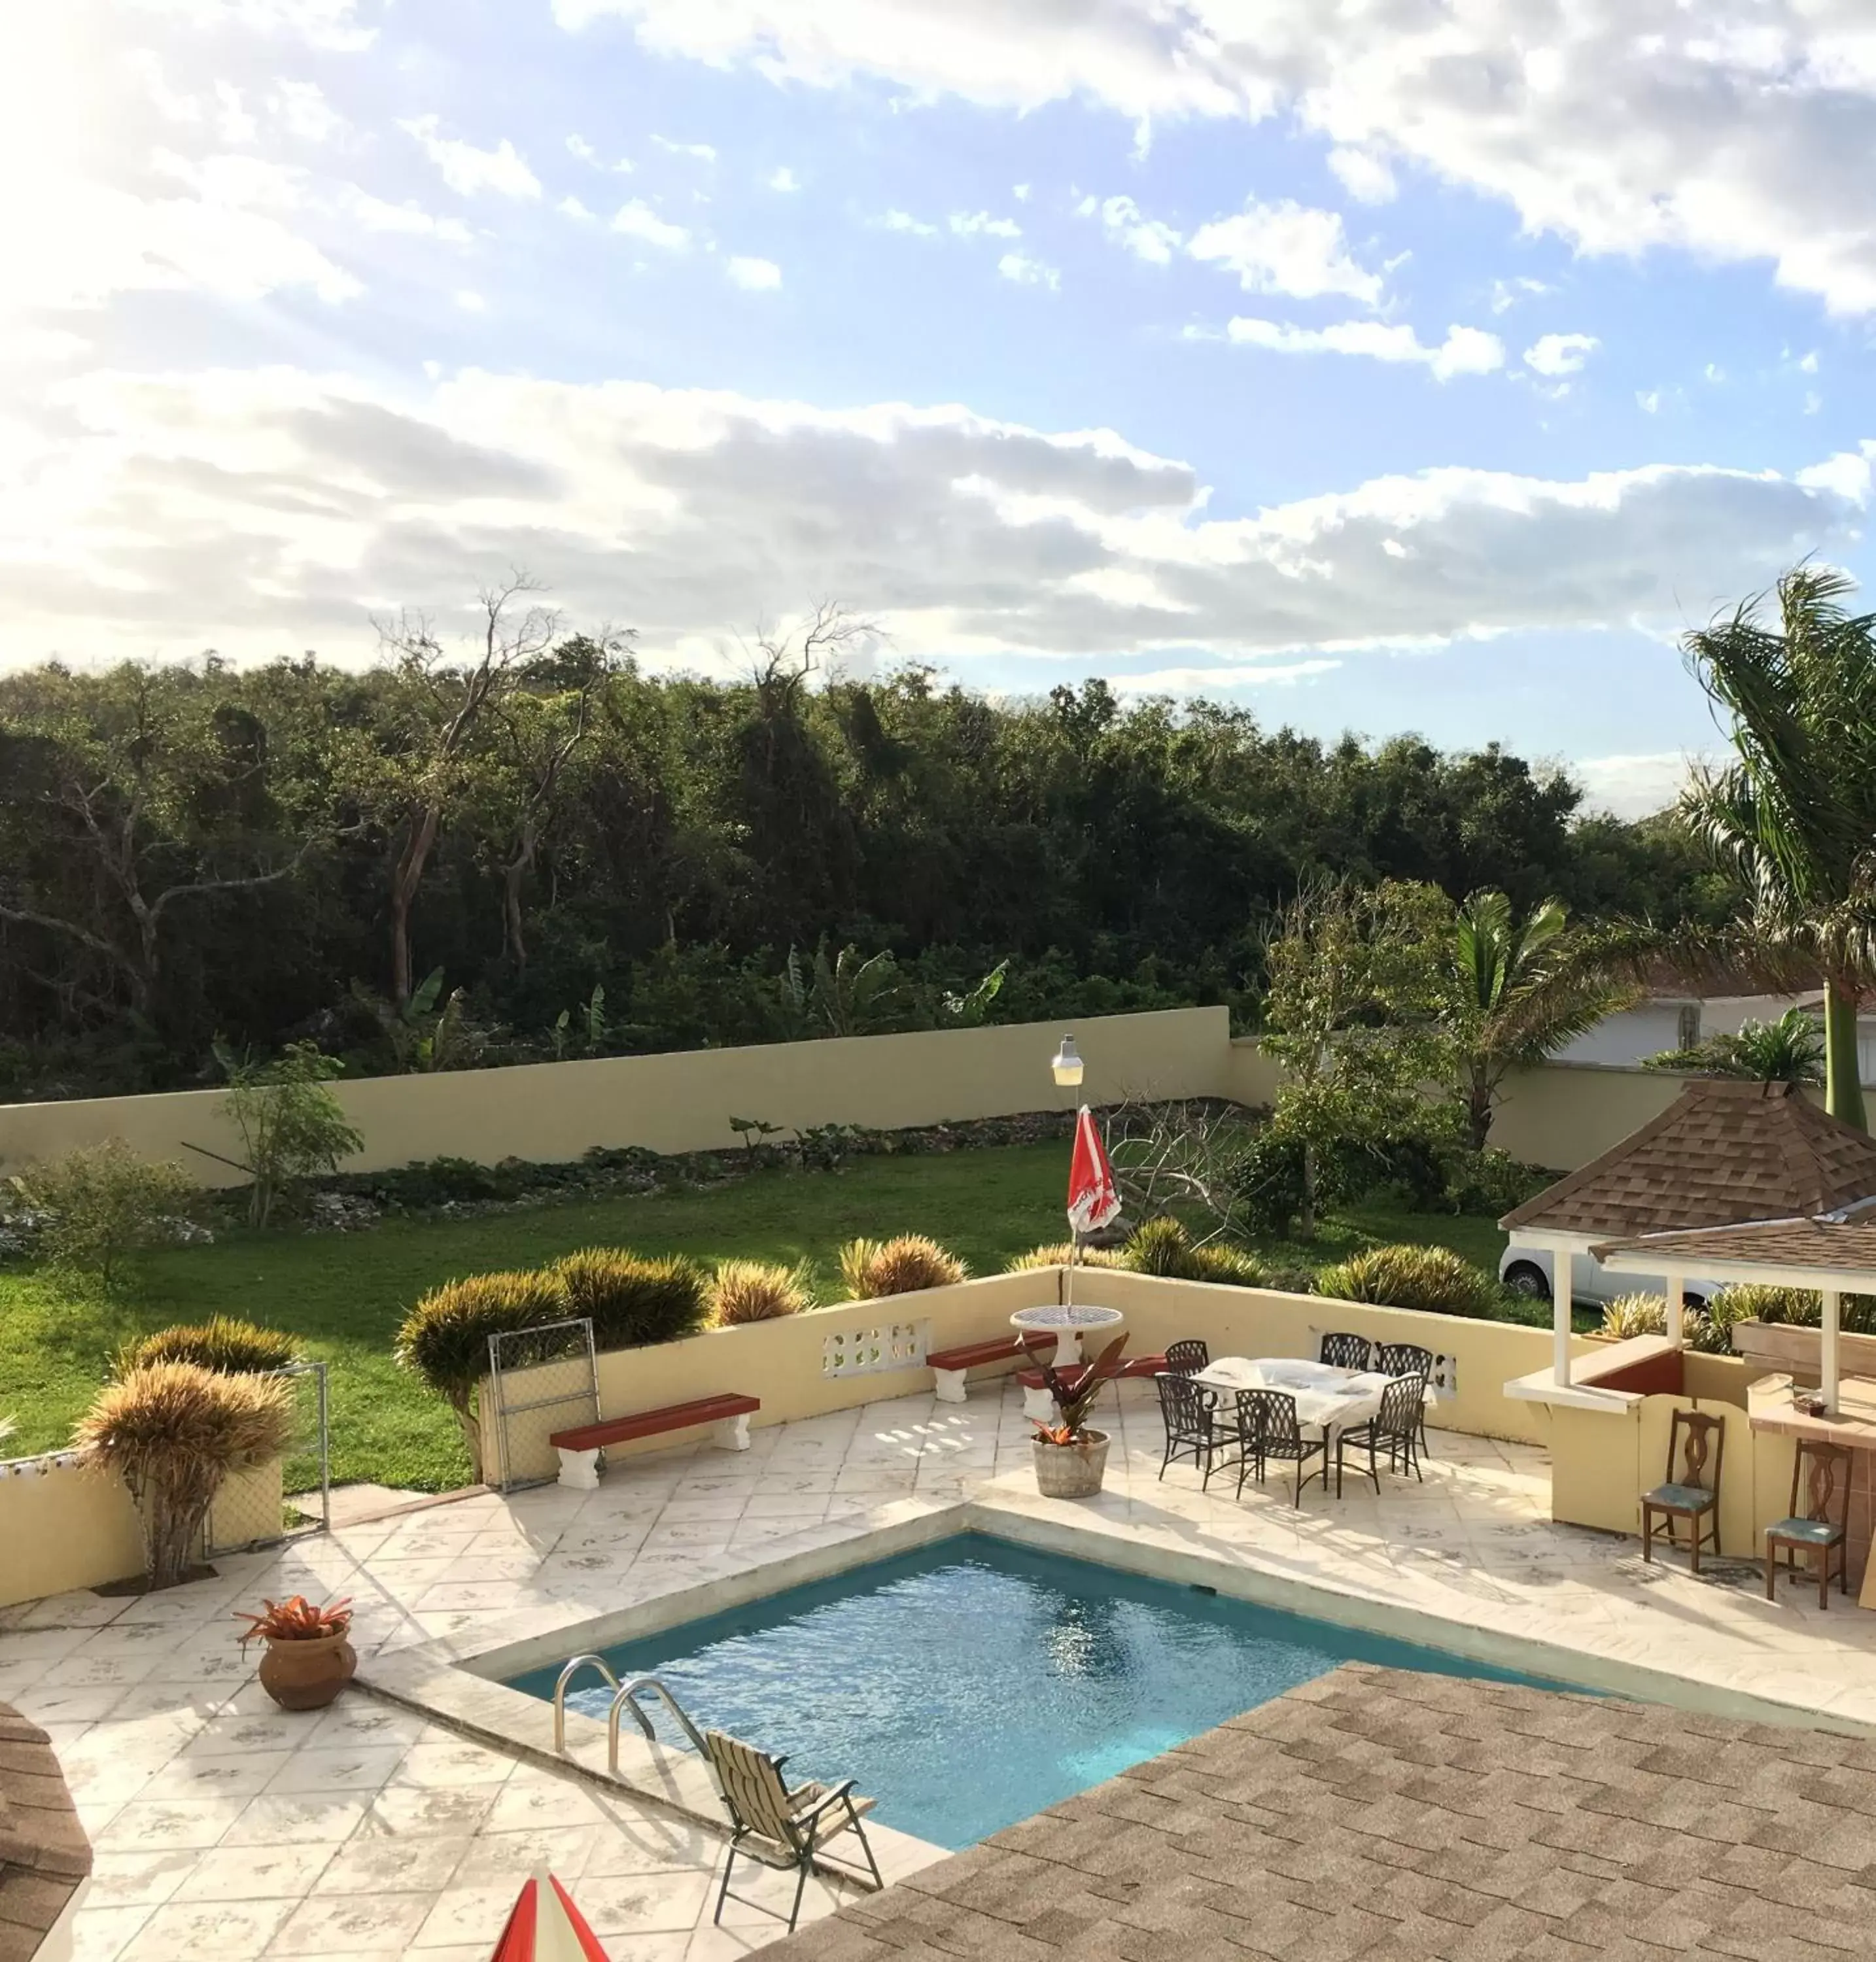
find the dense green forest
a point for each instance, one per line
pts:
(542, 850)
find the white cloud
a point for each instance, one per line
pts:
(980, 224)
(235, 122)
(1286, 248)
(1020, 193)
(1028, 272)
(1466, 350)
(1146, 237)
(1632, 786)
(470, 302)
(1808, 364)
(782, 178)
(301, 109)
(257, 509)
(1506, 293)
(332, 24)
(1560, 353)
(377, 214)
(903, 221)
(1648, 400)
(1734, 130)
(1210, 680)
(467, 170)
(1364, 176)
(570, 206)
(701, 153)
(758, 275)
(637, 220)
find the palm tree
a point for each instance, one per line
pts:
(1794, 814)
(1520, 991)
(1790, 1050)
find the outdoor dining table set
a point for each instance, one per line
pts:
(1250, 1411)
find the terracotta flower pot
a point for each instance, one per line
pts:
(307, 1675)
(1071, 1471)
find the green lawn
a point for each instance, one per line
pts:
(346, 1293)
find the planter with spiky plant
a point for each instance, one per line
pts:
(1071, 1460)
(175, 1433)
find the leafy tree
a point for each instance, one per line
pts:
(292, 1127)
(102, 1201)
(1794, 815)
(1518, 992)
(1357, 987)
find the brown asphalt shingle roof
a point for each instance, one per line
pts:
(1407, 1818)
(1722, 1153)
(1845, 1245)
(44, 1853)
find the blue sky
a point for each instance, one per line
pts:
(1418, 368)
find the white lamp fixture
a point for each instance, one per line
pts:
(1066, 1064)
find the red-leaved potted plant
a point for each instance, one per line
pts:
(1071, 1460)
(308, 1659)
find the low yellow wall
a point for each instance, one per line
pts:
(64, 1529)
(682, 1101)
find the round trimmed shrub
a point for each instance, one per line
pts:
(1433, 1279)
(631, 1300)
(444, 1338)
(175, 1432)
(224, 1343)
(745, 1291)
(873, 1268)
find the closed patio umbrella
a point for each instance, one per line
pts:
(1094, 1195)
(545, 1926)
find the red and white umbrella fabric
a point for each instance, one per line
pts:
(546, 1927)
(1093, 1198)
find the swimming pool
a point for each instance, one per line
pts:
(973, 1682)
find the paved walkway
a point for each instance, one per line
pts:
(226, 1829)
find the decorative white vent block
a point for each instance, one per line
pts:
(865, 1352)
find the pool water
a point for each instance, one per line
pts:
(973, 1682)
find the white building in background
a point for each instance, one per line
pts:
(1666, 1022)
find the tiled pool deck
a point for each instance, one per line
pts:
(225, 1828)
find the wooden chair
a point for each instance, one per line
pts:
(1813, 1530)
(1692, 1436)
(779, 1827)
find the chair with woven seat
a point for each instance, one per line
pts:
(1347, 1352)
(1407, 1359)
(1694, 1437)
(1195, 1427)
(1186, 1357)
(780, 1828)
(1267, 1420)
(1821, 1472)
(1394, 1428)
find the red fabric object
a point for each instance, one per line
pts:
(544, 1926)
(1093, 1198)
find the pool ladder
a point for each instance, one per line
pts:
(625, 1697)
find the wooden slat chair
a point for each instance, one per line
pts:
(1688, 1495)
(777, 1827)
(1813, 1531)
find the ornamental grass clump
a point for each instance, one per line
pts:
(745, 1291)
(1062, 1255)
(1634, 1314)
(444, 1339)
(175, 1433)
(872, 1268)
(224, 1343)
(631, 1300)
(1433, 1280)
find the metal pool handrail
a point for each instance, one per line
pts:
(626, 1696)
(567, 1675)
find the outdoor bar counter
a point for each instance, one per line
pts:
(1770, 1405)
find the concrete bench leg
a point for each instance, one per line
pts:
(580, 1471)
(733, 1433)
(1039, 1406)
(950, 1386)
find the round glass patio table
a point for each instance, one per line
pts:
(1065, 1324)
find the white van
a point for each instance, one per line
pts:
(1527, 1269)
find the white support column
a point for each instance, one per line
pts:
(1828, 1374)
(1677, 1294)
(1560, 1300)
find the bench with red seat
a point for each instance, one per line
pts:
(579, 1448)
(948, 1365)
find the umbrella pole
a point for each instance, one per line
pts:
(1074, 1254)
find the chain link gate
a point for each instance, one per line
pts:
(261, 1508)
(540, 1380)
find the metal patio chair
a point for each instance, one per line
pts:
(1197, 1427)
(1343, 1351)
(1267, 1418)
(780, 1828)
(1407, 1359)
(1394, 1428)
(1186, 1357)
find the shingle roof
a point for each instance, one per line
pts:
(1722, 1153)
(44, 1853)
(1403, 1818)
(1844, 1244)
